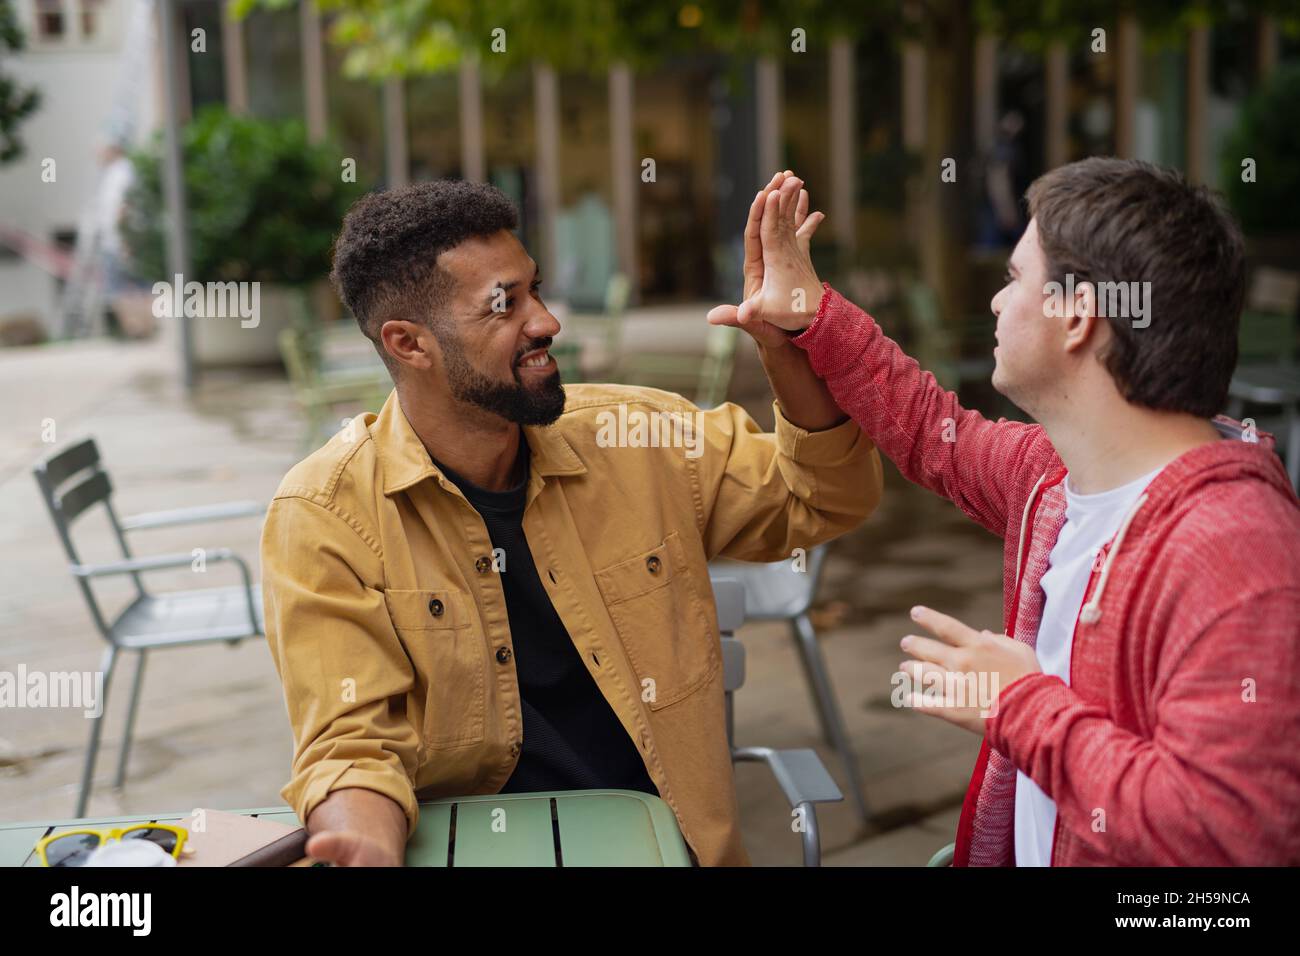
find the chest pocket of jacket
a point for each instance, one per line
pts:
(662, 622)
(449, 659)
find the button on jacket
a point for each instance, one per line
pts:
(387, 620)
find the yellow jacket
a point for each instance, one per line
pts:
(387, 621)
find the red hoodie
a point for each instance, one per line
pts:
(1177, 740)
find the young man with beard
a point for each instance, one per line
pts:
(1149, 700)
(475, 591)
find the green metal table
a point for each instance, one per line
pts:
(563, 828)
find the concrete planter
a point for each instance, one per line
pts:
(234, 340)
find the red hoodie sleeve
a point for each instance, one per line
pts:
(1215, 785)
(984, 467)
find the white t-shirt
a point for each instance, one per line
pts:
(1090, 521)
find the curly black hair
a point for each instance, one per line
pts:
(386, 255)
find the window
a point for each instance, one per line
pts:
(60, 25)
(49, 20)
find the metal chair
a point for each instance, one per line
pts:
(599, 337)
(800, 773)
(944, 856)
(72, 481)
(774, 592)
(1272, 385)
(332, 367)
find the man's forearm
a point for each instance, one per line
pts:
(363, 811)
(804, 398)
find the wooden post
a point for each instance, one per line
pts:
(1057, 76)
(1127, 74)
(546, 107)
(986, 92)
(842, 208)
(234, 61)
(473, 166)
(913, 93)
(625, 174)
(396, 160)
(767, 95)
(913, 69)
(1266, 52)
(1198, 97)
(313, 70)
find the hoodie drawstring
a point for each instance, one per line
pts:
(1091, 612)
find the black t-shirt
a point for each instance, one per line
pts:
(572, 738)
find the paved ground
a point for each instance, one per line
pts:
(212, 729)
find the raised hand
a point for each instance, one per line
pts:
(781, 289)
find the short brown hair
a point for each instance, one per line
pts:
(1124, 220)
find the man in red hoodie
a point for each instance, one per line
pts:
(1149, 704)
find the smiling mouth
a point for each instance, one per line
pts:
(538, 359)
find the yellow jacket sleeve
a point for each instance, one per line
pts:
(761, 495)
(344, 671)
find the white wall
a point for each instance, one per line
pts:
(78, 83)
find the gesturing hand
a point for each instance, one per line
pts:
(781, 289)
(964, 671)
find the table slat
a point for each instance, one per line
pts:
(18, 846)
(523, 837)
(428, 844)
(607, 831)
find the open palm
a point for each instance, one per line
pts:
(781, 288)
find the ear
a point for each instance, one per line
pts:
(1081, 322)
(410, 343)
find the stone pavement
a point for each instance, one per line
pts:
(212, 729)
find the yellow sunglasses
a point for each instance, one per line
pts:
(73, 847)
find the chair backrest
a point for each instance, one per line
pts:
(617, 292)
(73, 481)
(66, 499)
(729, 597)
(718, 365)
(312, 355)
(934, 346)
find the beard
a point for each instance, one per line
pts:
(540, 404)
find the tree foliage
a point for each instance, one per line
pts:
(403, 37)
(264, 203)
(17, 102)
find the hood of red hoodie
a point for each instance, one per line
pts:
(1234, 457)
(1184, 490)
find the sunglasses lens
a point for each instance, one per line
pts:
(164, 838)
(71, 850)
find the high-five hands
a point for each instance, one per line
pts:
(781, 290)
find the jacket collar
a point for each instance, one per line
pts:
(406, 461)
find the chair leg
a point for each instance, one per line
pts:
(96, 731)
(130, 721)
(828, 710)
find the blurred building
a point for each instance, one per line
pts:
(849, 115)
